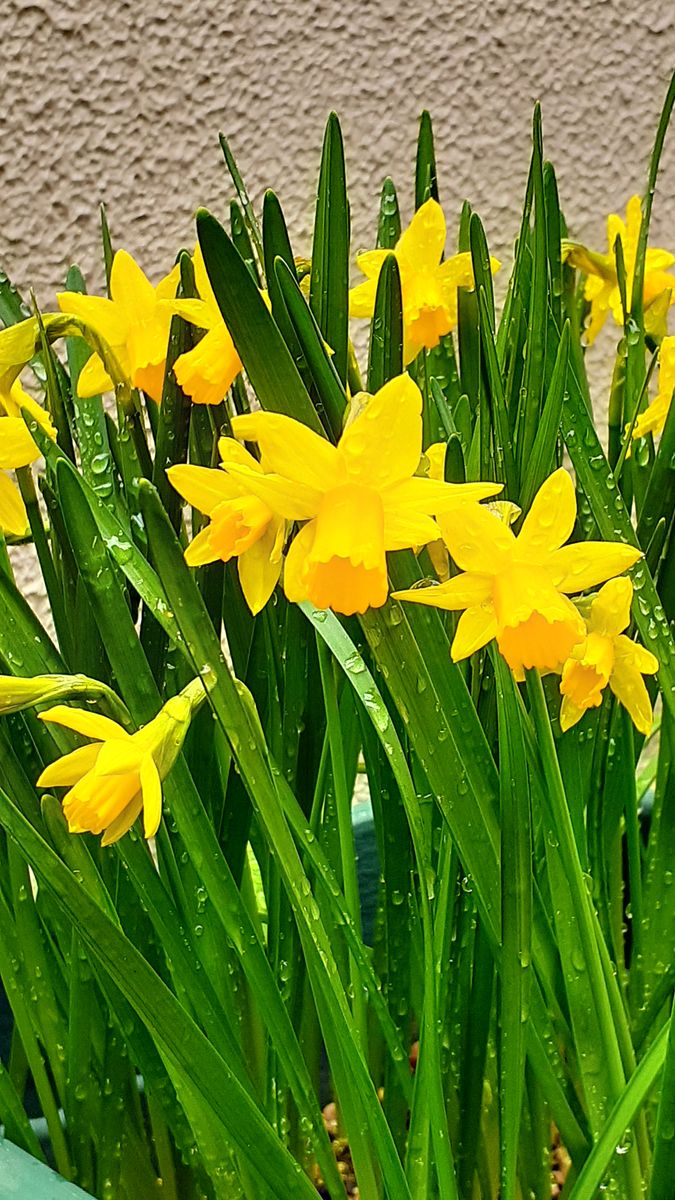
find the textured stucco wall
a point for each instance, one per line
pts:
(122, 101)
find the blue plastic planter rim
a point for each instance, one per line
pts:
(21, 1175)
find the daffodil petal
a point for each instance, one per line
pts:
(122, 824)
(461, 591)
(13, 515)
(371, 262)
(477, 539)
(195, 312)
(362, 299)
(629, 688)
(286, 497)
(98, 312)
(167, 287)
(232, 453)
(570, 713)
(291, 449)
(118, 758)
(69, 769)
(19, 400)
(421, 245)
(204, 283)
(583, 565)
(435, 456)
(434, 497)
(93, 378)
(634, 655)
(17, 448)
(202, 549)
(151, 788)
(295, 566)
(259, 570)
(130, 287)
(457, 271)
(659, 260)
(550, 521)
(403, 529)
(475, 628)
(610, 610)
(383, 444)
(89, 724)
(203, 487)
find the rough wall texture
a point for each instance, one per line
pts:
(122, 101)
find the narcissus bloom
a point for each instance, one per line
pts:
(428, 285)
(134, 322)
(515, 589)
(602, 288)
(17, 449)
(360, 498)
(111, 780)
(653, 419)
(242, 526)
(607, 657)
(207, 372)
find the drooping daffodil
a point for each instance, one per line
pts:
(134, 322)
(428, 284)
(515, 588)
(653, 419)
(242, 526)
(119, 774)
(207, 372)
(602, 287)
(606, 657)
(359, 498)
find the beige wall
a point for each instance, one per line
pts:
(122, 101)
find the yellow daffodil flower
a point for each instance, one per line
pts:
(121, 773)
(360, 498)
(17, 449)
(207, 372)
(515, 589)
(653, 419)
(428, 285)
(607, 657)
(242, 526)
(134, 322)
(602, 288)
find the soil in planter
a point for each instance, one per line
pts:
(559, 1160)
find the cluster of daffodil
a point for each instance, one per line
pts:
(361, 498)
(603, 295)
(423, 569)
(326, 515)
(134, 321)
